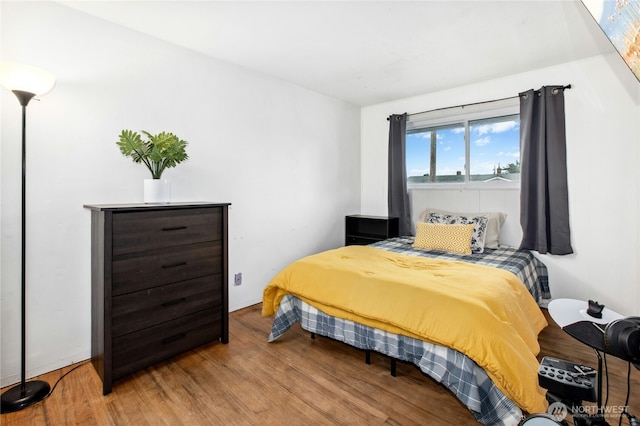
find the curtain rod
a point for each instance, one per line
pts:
(568, 86)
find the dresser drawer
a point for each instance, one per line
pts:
(139, 231)
(135, 311)
(144, 348)
(145, 270)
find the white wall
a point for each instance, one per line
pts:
(603, 149)
(286, 158)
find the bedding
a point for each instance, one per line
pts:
(463, 377)
(438, 236)
(531, 271)
(496, 326)
(479, 230)
(495, 220)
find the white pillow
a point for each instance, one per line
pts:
(494, 223)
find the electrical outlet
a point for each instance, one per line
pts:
(238, 279)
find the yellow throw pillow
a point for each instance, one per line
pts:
(438, 236)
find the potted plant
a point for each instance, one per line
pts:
(158, 152)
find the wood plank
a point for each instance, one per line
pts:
(296, 380)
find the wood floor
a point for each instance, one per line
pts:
(295, 381)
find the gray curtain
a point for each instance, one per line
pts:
(544, 205)
(398, 197)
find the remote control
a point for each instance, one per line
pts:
(567, 380)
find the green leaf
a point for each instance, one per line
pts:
(161, 151)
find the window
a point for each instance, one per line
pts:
(478, 143)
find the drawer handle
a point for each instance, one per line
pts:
(174, 228)
(174, 338)
(174, 302)
(173, 265)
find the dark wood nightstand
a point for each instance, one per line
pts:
(362, 230)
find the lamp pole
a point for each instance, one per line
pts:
(26, 393)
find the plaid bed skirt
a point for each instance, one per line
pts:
(468, 382)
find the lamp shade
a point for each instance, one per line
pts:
(25, 78)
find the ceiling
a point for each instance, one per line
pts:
(368, 52)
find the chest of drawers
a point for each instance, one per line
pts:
(158, 283)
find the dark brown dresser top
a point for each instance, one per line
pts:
(149, 206)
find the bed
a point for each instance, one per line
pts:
(469, 320)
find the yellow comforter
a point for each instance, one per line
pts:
(484, 312)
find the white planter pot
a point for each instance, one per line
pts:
(157, 191)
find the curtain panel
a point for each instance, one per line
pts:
(398, 197)
(544, 204)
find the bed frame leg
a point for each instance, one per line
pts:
(367, 357)
(393, 367)
(313, 335)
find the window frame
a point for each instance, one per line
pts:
(463, 115)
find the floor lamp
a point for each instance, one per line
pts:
(25, 82)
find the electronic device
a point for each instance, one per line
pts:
(622, 339)
(568, 381)
(595, 309)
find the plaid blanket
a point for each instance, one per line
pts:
(531, 271)
(468, 382)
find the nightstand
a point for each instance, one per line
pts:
(362, 230)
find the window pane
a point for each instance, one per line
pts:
(495, 149)
(447, 142)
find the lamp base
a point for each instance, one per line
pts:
(23, 395)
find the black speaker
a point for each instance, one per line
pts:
(622, 339)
